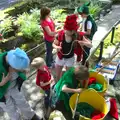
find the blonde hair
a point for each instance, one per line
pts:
(37, 62)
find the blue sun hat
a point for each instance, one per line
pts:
(18, 59)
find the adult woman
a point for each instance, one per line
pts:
(66, 44)
(49, 33)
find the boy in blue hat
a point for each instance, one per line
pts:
(88, 26)
(12, 67)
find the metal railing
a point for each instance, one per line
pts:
(101, 44)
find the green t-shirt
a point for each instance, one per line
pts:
(68, 80)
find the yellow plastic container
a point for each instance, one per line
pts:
(100, 79)
(91, 97)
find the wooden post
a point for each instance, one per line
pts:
(113, 32)
(101, 50)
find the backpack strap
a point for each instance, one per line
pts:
(60, 35)
(60, 39)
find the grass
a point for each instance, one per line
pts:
(107, 42)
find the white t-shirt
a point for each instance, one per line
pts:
(89, 25)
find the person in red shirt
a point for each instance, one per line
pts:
(49, 33)
(69, 42)
(44, 79)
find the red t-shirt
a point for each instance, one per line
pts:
(43, 76)
(51, 25)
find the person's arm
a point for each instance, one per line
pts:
(49, 32)
(89, 27)
(45, 83)
(85, 42)
(70, 90)
(56, 45)
(86, 83)
(5, 79)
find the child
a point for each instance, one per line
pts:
(49, 33)
(71, 82)
(89, 27)
(12, 63)
(66, 45)
(43, 78)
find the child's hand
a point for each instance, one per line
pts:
(81, 43)
(79, 90)
(5, 79)
(59, 48)
(8, 77)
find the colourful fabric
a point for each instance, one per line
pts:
(96, 86)
(66, 79)
(43, 76)
(97, 115)
(71, 22)
(85, 109)
(4, 88)
(92, 80)
(113, 109)
(77, 50)
(18, 59)
(83, 9)
(51, 25)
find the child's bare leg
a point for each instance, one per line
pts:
(48, 112)
(58, 72)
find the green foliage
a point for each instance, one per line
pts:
(17, 8)
(94, 9)
(24, 47)
(2, 15)
(35, 13)
(29, 25)
(58, 15)
(6, 26)
(107, 42)
(30, 30)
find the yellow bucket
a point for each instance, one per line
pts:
(91, 97)
(100, 79)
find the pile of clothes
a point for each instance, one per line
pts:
(94, 84)
(88, 111)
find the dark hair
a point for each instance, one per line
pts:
(81, 73)
(44, 12)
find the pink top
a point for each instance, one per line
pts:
(51, 25)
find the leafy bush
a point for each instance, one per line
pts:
(30, 30)
(58, 15)
(29, 25)
(94, 8)
(7, 26)
(35, 13)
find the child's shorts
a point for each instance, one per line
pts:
(68, 62)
